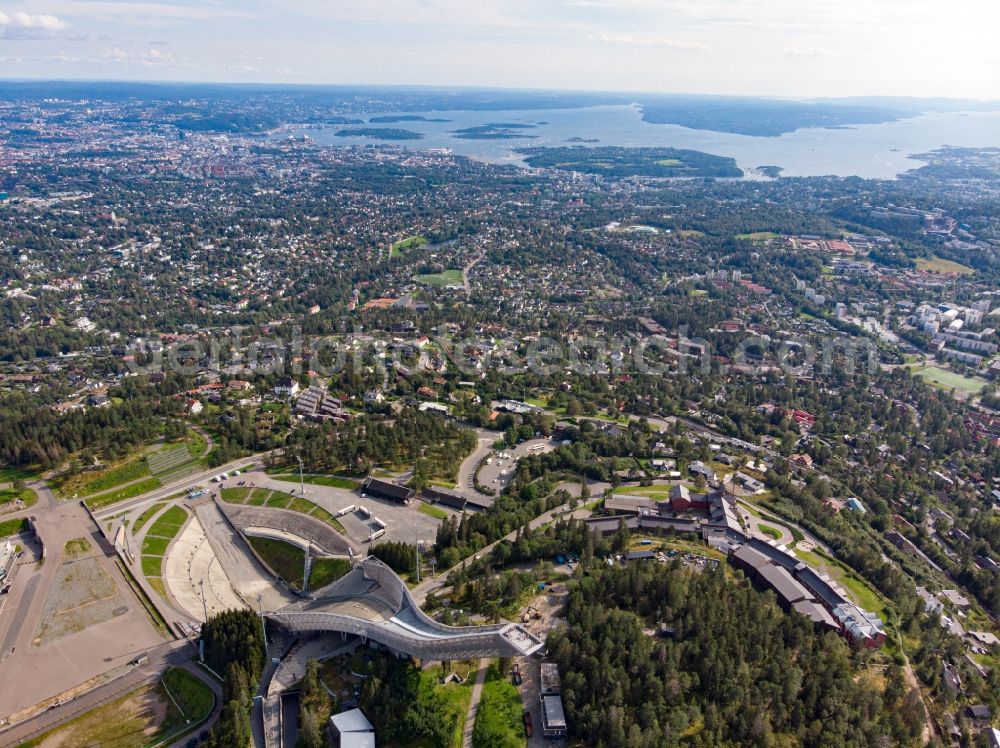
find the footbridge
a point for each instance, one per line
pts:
(372, 602)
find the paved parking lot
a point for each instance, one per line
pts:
(503, 465)
(404, 523)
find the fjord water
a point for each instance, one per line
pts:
(871, 151)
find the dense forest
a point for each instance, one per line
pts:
(392, 697)
(434, 446)
(736, 672)
(234, 647)
(315, 705)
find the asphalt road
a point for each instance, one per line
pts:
(174, 653)
(181, 484)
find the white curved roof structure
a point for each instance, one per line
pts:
(371, 601)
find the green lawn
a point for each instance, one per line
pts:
(278, 499)
(146, 516)
(941, 265)
(334, 481)
(456, 697)
(85, 484)
(28, 496)
(168, 523)
(154, 546)
(447, 278)
(156, 542)
(432, 511)
(411, 242)
(757, 236)
(147, 712)
(862, 592)
(282, 500)
(236, 495)
(326, 570)
(257, 497)
(129, 492)
(151, 566)
(284, 559)
(498, 720)
(658, 492)
(12, 473)
(772, 532)
(13, 527)
(948, 379)
(192, 695)
(298, 504)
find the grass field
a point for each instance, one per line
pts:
(432, 511)
(334, 481)
(128, 492)
(157, 540)
(235, 495)
(146, 515)
(772, 532)
(940, 265)
(282, 500)
(13, 527)
(456, 697)
(498, 720)
(192, 695)
(152, 567)
(11, 474)
(8, 495)
(447, 278)
(86, 484)
(862, 593)
(284, 559)
(412, 242)
(948, 379)
(326, 570)
(757, 236)
(138, 718)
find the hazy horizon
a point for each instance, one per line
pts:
(774, 48)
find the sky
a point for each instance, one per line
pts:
(796, 48)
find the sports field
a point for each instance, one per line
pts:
(949, 379)
(940, 265)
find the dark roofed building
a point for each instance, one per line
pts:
(819, 615)
(639, 556)
(784, 585)
(821, 588)
(553, 717)
(630, 505)
(478, 503)
(778, 556)
(978, 713)
(748, 559)
(442, 496)
(642, 523)
(386, 490)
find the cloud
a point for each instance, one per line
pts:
(652, 41)
(37, 21)
(149, 57)
(814, 53)
(20, 25)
